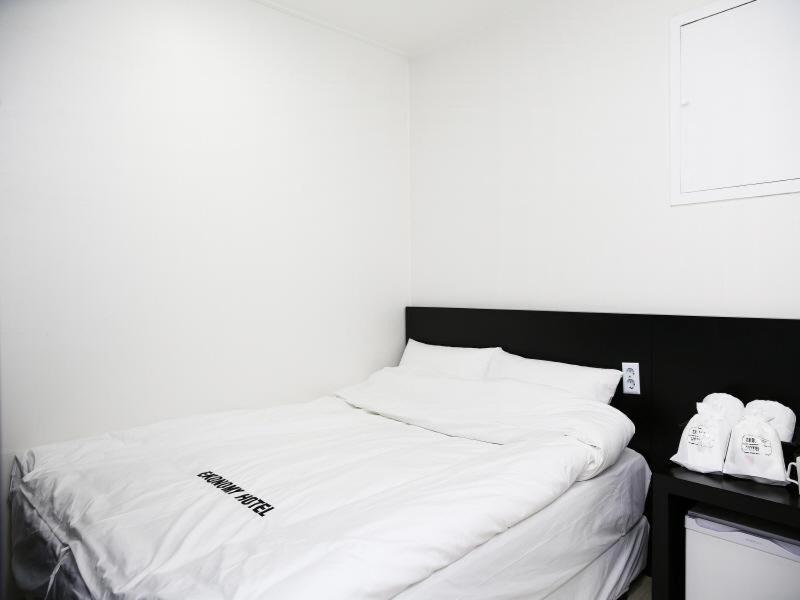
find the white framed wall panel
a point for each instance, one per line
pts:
(735, 89)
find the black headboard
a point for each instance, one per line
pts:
(681, 359)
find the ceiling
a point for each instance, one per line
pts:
(410, 27)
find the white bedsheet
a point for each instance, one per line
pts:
(610, 575)
(540, 554)
(318, 500)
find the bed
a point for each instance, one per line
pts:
(410, 485)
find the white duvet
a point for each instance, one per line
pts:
(356, 496)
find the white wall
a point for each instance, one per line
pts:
(540, 176)
(203, 205)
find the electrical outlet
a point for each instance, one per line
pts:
(630, 379)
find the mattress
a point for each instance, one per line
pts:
(544, 552)
(570, 545)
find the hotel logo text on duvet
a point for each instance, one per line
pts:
(256, 504)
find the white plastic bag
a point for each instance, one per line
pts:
(755, 451)
(781, 417)
(729, 405)
(704, 440)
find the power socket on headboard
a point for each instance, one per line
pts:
(630, 379)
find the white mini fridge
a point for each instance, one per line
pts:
(728, 557)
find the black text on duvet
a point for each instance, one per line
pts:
(256, 504)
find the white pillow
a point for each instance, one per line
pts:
(462, 363)
(585, 382)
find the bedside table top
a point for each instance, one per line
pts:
(772, 502)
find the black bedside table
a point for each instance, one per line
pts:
(676, 490)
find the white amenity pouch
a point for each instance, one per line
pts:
(781, 417)
(755, 451)
(729, 405)
(704, 440)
